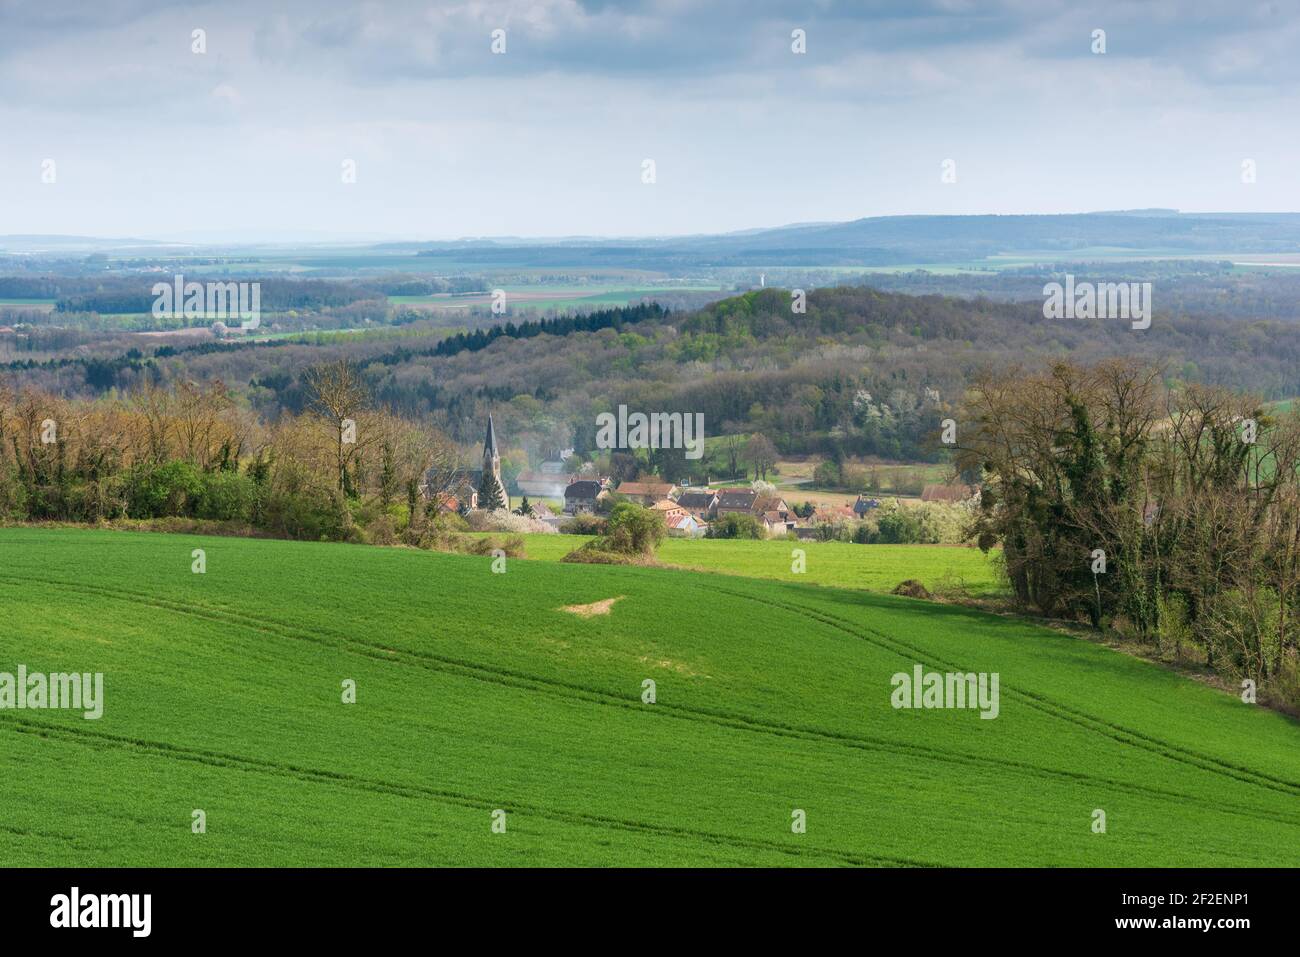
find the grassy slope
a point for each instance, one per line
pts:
(475, 693)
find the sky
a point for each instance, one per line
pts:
(111, 124)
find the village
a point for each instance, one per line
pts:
(688, 511)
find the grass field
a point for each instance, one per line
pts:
(839, 564)
(476, 692)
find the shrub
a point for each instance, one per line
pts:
(382, 531)
(587, 555)
(512, 545)
(584, 524)
(633, 530)
(735, 525)
(13, 496)
(900, 526)
(227, 497)
(173, 488)
(310, 515)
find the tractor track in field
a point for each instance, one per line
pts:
(1117, 732)
(504, 677)
(99, 739)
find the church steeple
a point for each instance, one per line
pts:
(490, 454)
(492, 470)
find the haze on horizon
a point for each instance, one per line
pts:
(152, 140)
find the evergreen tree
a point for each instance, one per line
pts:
(525, 508)
(489, 493)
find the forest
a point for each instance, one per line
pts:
(861, 372)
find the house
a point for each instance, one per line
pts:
(684, 525)
(771, 503)
(699, 502)
(733, 500)
(668, 508)
(583, 496)
(776, 523)
(647, 493)
(948, 493)
(864, 505)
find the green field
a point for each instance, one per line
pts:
(476, 692)
(840, 564)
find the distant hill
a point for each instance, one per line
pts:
(875, 241)
(893, 240)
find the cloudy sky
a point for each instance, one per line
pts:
(249, 138)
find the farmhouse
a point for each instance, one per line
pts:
(699, 502)
(583, 496)
(733, 500)
(668, 508)
(647, 493)
(771, 503)
(777, 523)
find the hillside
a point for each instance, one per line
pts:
(476, 692)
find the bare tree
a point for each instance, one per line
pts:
(338, 394)
(761, 454)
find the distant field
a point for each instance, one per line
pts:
(549, 297)
(901, 480)
(479, 694)
(840, 564)
(43, 305)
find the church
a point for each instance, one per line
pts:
(471, 489)
(489, 481)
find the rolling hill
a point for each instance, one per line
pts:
(478, 692)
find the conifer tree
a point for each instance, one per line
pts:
(489, 493)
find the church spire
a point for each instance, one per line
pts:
(492, 470)
(490, 442)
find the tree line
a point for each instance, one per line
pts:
(1172, 515)
(343, 469)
